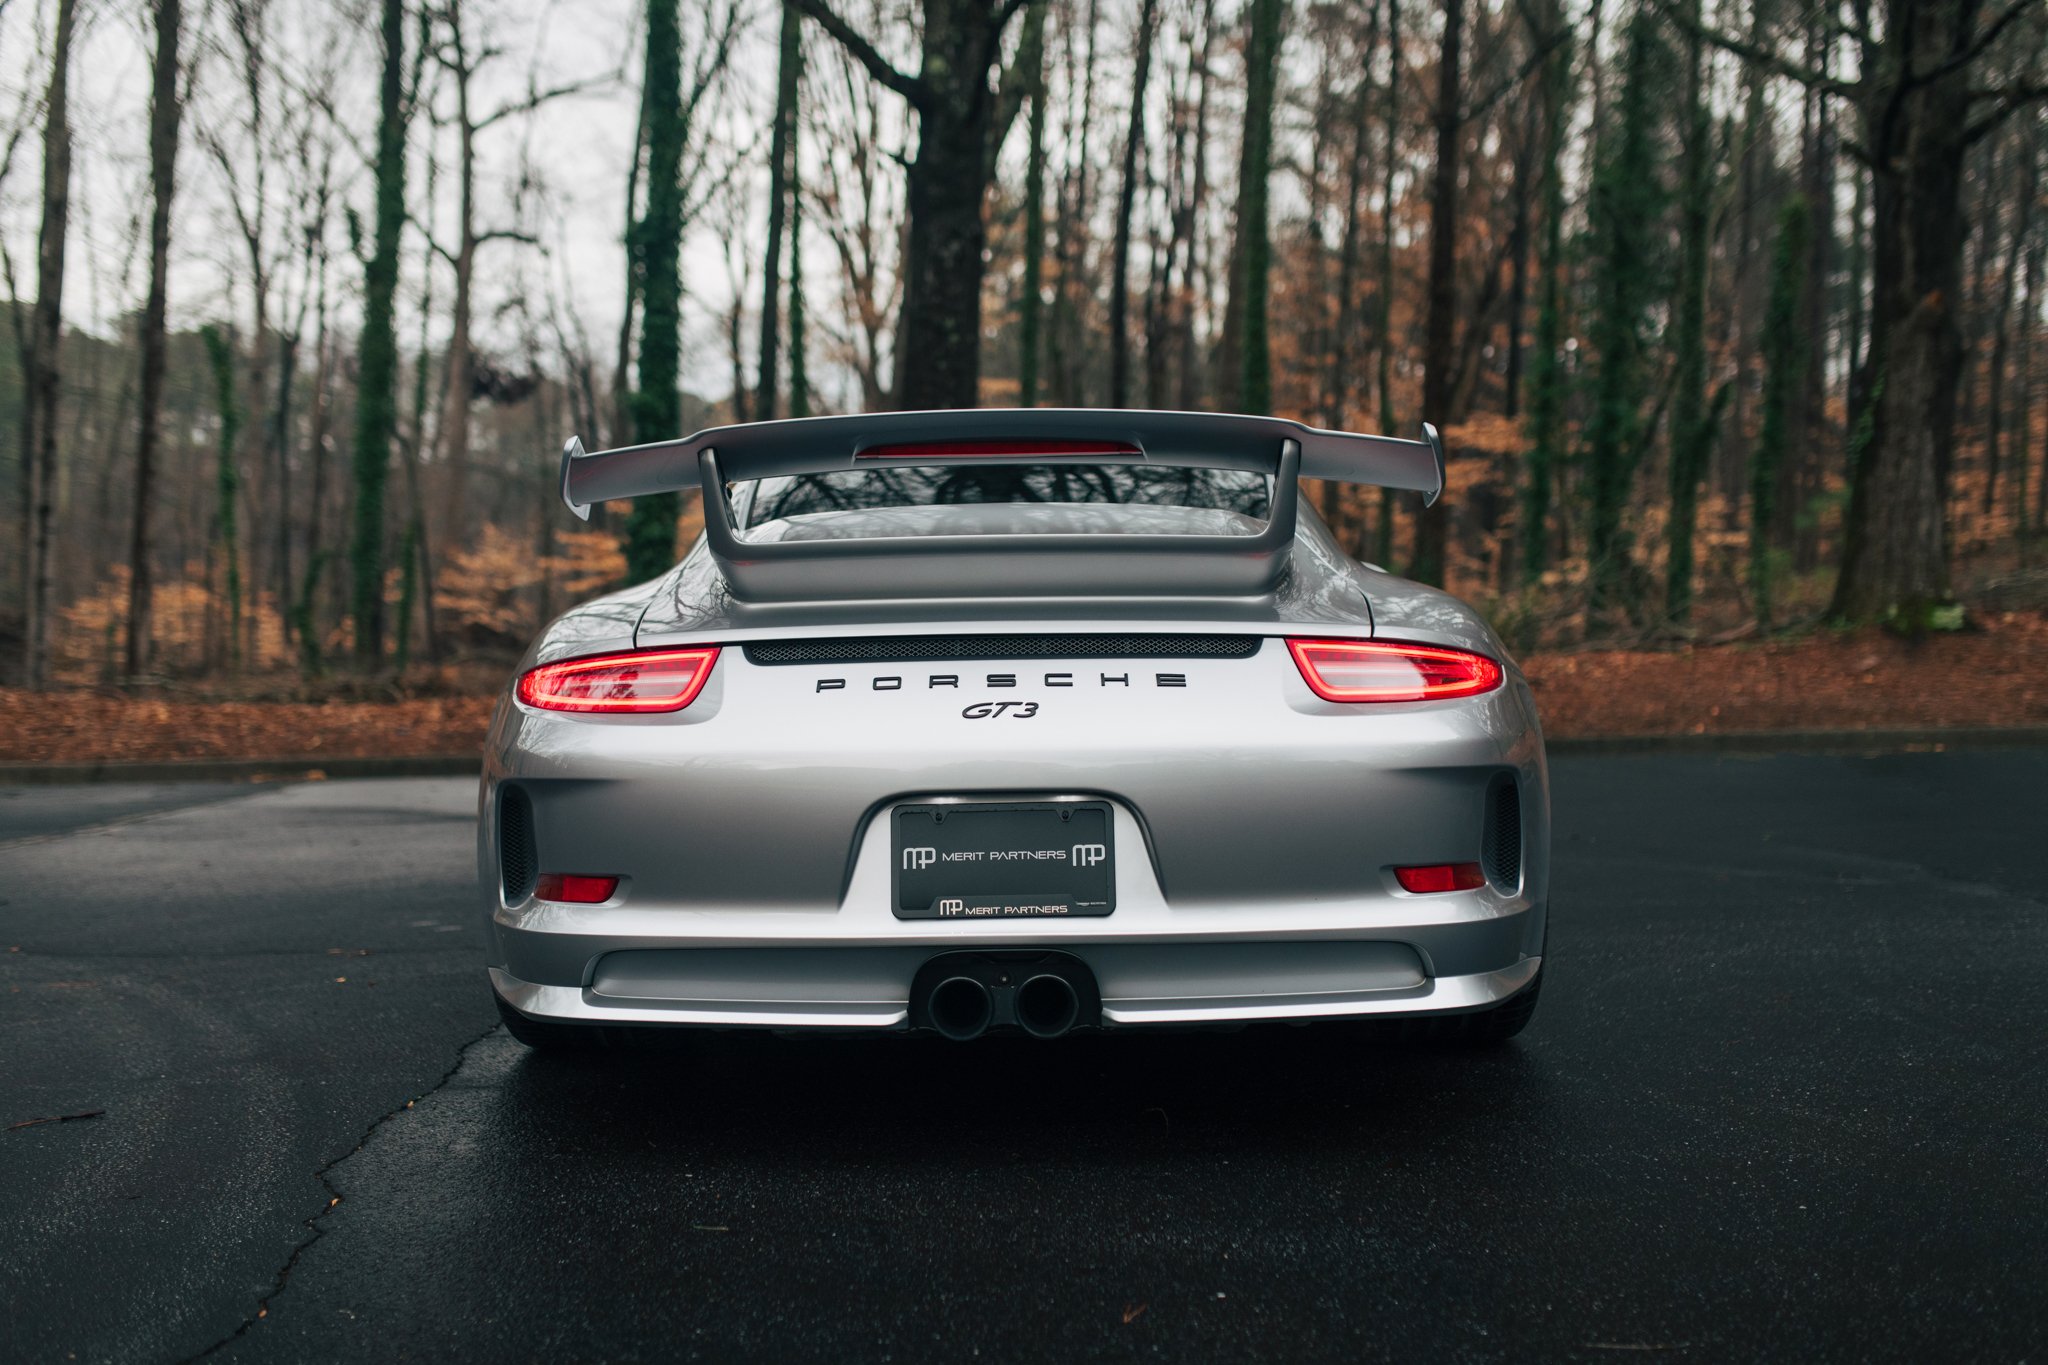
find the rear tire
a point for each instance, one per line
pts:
(547, 1037)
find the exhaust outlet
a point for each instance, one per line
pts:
(963, 995)
(1047, 1006)
(961, 1008)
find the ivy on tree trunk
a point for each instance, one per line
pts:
(377, 362)
(1786, 348)
(649, 537)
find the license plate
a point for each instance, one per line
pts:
(1007, 860)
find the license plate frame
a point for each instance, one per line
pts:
(1059, 860)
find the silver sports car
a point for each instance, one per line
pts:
(1033, 721)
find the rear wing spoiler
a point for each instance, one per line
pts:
(1008, 565)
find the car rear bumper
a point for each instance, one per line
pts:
(1255, 834)
(1447, 966)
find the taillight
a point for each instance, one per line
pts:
(643, 681)
(575, 888)
(1360, 670)
(1442, 877)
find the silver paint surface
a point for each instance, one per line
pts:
(1256, 824)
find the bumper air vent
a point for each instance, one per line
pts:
(518, 861)
(1500, 846)
(920, 649)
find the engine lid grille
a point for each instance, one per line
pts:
(894, 649)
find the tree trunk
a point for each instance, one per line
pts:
(305, 613)
(1787, 351)
(1067, 341)
(1518, 279)
(1546, 372)
(376, 400)
(2001, 337)
(649, 536)
(163, 153)
(622, 387)
(1120, 265)
(1383, 552)
(799, 367)
(46, 331)
(1030, 306)
(1433, 522)
(939, 351)
(1194, 271)
(2023, 378)
(460, 376)
(1895, 557)
(1690, 429)
(1754, 162)
(1624, 210)
(1249, 282)
(959, 130)
(781, 144)
(1801, 480)
(1337, 377)
(227, 484)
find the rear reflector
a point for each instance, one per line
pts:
(1359, 670)
(998, 450)
(575, 888)
(643, 681)
(1442, 877)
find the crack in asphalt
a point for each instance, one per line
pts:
(316, 1225)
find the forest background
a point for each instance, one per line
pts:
(1732, 312)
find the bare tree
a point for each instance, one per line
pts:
(858, 205)
(40, 440)
(781, 154)
(1120, 263)
(1437, 360)
(165, 107)
(462, 59)
(962, 119)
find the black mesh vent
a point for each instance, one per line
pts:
(518, 863)
(1501, 843)
(917, 649)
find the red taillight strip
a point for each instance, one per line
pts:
(643, 681)
(1385, 670)
(952, 450)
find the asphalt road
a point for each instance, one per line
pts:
(1785, 1099)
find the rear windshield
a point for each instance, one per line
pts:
(1225, 490)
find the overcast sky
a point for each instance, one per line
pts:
(578, 147)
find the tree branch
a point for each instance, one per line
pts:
(865, 52)
(1012, 85)
(2010, 102)
(1991, 34)
(536, 98)
(1535, 59)
(1763, 57)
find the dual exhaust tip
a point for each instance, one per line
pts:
(962, 996)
